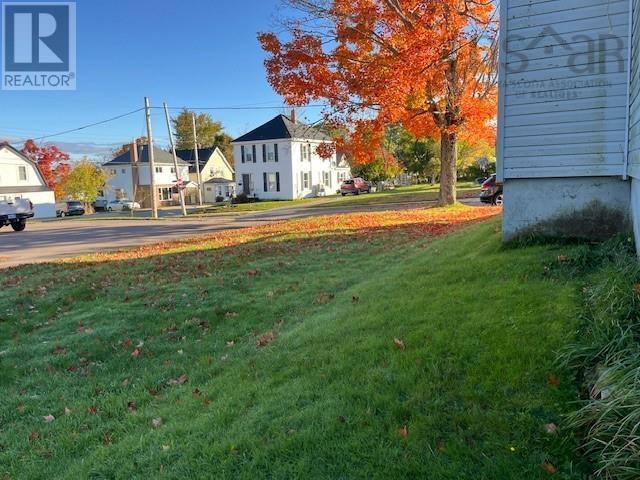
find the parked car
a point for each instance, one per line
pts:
(355, 186)
(100, 204)
(491, 191)
(69, 209)
(120, 205)
(480, 180)
(15, 212)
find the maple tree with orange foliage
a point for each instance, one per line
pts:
(53, 165)
(430, 65)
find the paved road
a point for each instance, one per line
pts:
(46, 241)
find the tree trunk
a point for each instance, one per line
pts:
(448, 172)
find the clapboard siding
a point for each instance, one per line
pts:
(634, 121)
(564, 99)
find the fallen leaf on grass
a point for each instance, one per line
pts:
(67, 411)
(93, 410)
(132, 406)
(549, 468)
(181, 380)
(554, 381)
(48, 418)
(33, 436)
(551, 428)
(252, 273)
(231, 344)
(125, 382)
(156, 422)
(355, 299)
(136, 353)
(265, 339)
(403, 431)
(399, 343)
(21, 408)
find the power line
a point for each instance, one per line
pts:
(274, 107)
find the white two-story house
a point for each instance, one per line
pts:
(20, 178)
(128, 176)
(279, 161)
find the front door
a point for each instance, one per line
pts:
(246, 184)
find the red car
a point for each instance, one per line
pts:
(356, 186)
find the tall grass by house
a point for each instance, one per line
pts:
(606, 358)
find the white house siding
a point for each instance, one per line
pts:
(563, 106)
(32, 187)
(121, 178)
(291, 168)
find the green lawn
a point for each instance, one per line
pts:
(327, 394)
(414, 193)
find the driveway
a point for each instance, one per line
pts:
(46, 241)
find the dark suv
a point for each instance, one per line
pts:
(491, 191)
(68, 209)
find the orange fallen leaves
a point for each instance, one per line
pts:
(322, 231)
(403, 431)
(549, 468)
(399, 343)
(265, 339)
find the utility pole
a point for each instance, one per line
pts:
(195, 149)
(179, 183)
(152, 163)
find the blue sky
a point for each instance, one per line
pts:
(198, 53)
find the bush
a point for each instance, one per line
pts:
(219, 199)
(241, 198)
(606, 358)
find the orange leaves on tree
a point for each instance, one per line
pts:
(53, 165)
(429, 65)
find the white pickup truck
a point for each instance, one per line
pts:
(15, 212)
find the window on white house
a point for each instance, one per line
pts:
(173, 170)
(113, 171)
(208, 189)
(326, 179)
(305, 180)
(271, 182)
(158, 169)
(123, 171)
(22, 174)
(166, 194)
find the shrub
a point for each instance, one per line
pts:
(241, 198)
(219, 199)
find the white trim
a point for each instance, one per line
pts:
(628, 111)
(502, 91)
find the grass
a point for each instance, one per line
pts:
(360, 346)
(606, 359)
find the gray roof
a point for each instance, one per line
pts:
(282, 127)
(160, 157)
(21, 189)
(219, 180)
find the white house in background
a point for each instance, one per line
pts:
(278, 161)
(20, 178)
(216, 172)
(128, 176)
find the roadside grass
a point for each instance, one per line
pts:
(351, 346)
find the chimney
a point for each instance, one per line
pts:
(293, 115)
(133, 153)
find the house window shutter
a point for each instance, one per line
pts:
(275, 151)
(264, 179)
(301, 152)
(277, 181)
(264, 153)
(242, 153)
(254, 154)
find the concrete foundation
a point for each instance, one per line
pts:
(579, 207)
